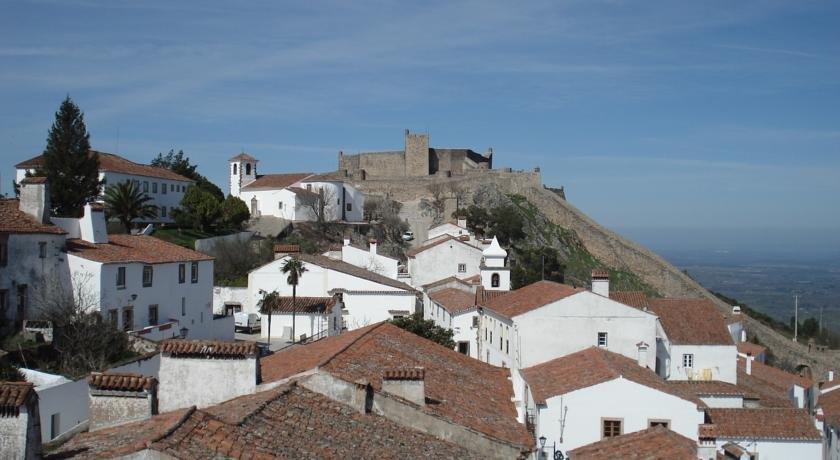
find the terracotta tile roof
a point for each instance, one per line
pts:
(13, 395)
(180, 347)
(774, 376)
(777, 423)
(326, 177)
(118, 164)
(13, 220)
(352, 270)
(709, 388)
(691, 321)
(242, 156)
(475, 279)
(121, 382)
(706, 431)
(600, 274)
(288, 422)
(767, 395)
(134, 248)
(530, 297)
(637, 299)
(414, 373)
(34, 180)
(305, 304)
(653, 443)
(287, 248)
(589, 367)
(441, 282)
(830, 404)
(453, 300)
(276, 181)
(468, 392)
(414, 251)
(304, 193)
(749, 348)
(482, 296)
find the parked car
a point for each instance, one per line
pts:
(408, 236)
(246, 321)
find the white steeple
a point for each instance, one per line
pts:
(243, 171)
(494, 275)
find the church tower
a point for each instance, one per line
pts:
(495, 276)
(243, 171)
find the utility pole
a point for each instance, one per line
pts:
(543, 267)
(820, 328)
(795, 317)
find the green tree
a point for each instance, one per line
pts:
(293, 267)
(268, 304)
(180, 164)
(71, 168)
(125, 202)
(234, 212)
(427, 329)
(199, 209)
(535, 264)
(506, 224)
(478, 218)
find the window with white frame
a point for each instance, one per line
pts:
(462, 268)
(602, 339)
(688, 360)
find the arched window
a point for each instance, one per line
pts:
(234, 169)
(494, 280)
(247, 169)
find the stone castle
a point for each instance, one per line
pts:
(416, 160)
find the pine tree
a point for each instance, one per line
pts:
(70, 167)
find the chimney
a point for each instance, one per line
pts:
(92, 227)
(373, 244)
(462, 223)
(35, 198)
(408, 384)
(116, 399)
(830, 376)
(743, 335)
(282, 250)
(642, 355)
(749, 363)
(347, 241)
(20, 432)
(601, 282)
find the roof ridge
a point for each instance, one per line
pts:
(181, 420)
(352, 342)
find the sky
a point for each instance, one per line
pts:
(652, 115)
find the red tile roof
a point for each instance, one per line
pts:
(589, 367)
(653, 443)
(468, 392)
(830, 404)
(13, 220)
(441, 282)
(289, 421)
(134, 248)
(530, 297)
(121, 382)
(352, 270)
(287, 248)
(786, 424)
(749, 348)
(179, 347)
(636, 299)
(600, 274)
(276, 181)
(453, 300)
(305, 305)
(13, 395)
(710, 388)
(118, 164)
(242, 156)
(414, 251)
(691, 321)
(775, 376)
(767, 395)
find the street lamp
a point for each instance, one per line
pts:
(542, 442)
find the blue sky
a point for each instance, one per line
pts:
(652, 115)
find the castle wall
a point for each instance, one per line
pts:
(413, 188)
(416, 154)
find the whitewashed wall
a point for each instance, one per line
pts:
(281, 325)
(170, 200)
(778, 449)
(25, 267)
(268, 202)
(462, 326)
(203, 382)
(222, 294)
(442, 261)
(58, 395)
(719, 359)
(364, 309)
(377, 263)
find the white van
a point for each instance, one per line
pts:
(246, 321)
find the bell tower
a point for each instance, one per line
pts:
(242, 170)
(495, 276)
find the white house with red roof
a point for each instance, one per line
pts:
(443, 257)
(291, 196)
(164, 187)
(368, 258)
(766, 433)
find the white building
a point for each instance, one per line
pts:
(31, 252)
(142, 284)
(313, 318)
(829, 413)
(457, 310)
(164, 187)
(62, 402)
(289, 196)
(445, 257)
(367, 258)
(19, 432)
(594, 393)
(696, 344)
(368, 297)
(767, 433)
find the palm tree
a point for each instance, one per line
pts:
(126, 202)
(268, 304)
(295, 269)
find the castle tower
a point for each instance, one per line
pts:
(495, 276)
(243, 171)
(416, 154)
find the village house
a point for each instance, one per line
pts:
(776, 387)
(117, 398)
(447, 256)
(756, 351)
(367, 258)
(20, 431)
(294, 196)
(829, 414)
(654, 442)
(777, 433)
(164, 187)
(594, 394)
(31, 253)
(367, 297)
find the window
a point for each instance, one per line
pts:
(182, 273)
(4, 299)
(42, 249)
(349, 207)
(163, 211)
(491, 337)
(662, 423)
(22, 300)
(183, 306)
(462, 268)
(55, 425)
(475, 321)
(309, 187)
(194, 272)
(171, 187)
(163, 188)
(154, 187)
(610, 428)
(494, 280)
(148, 273)
(464, 348)
(113, 318)
(153, 315)
(145, 186)
(234, 169)
(507, 346)
(4, 252)
(602, 339)
(128, 319)
(279, 205)
(247, 169)
(688, 360)
(120, 277)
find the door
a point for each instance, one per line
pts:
(254, 207)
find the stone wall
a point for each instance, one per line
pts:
(416, 154)
(414, 188)
(111, 408)
(20, 435)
